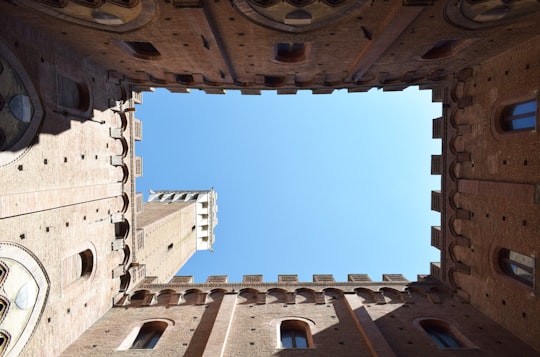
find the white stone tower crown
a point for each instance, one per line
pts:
(206, 211)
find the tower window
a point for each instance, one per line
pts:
(72, 94)
(290, 52)
(149, 335)
(517, 266)
(294, 334)
(444, 48)
(442, 334)
(144, 50)
(78, 266)
(520, 116)
(87, 263)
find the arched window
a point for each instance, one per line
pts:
(440, 333)
(78, 266)
(149, 335)
(520, 116)
(87, 263)
(517, 266)
(294, 334)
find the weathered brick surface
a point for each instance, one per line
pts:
(335, 327)
(495, 187)
(59, 196)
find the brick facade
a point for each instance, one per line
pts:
(71, 73)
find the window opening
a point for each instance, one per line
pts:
(290, 52)
(144, 50)
(78, 266)
(294, 334)
(441, 337)
(149, 335)
(517, 266)
(87, 262)
(441, 334)
(72, 94)
(520, 116)
(442, 49)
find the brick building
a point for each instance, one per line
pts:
(81, 256)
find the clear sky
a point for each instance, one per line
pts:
(307, 184)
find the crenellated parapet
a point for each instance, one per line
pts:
(206, 211)
(394, 288)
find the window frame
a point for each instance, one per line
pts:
(128, 342)
(148, 335)
(142, 49)
(443, 326)
(290, 52)
(506, 117)
(506, 264)
(299, 329)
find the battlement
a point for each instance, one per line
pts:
(182, 289)
(206, 211)
(318, 280)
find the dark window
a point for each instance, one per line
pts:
(273, 81)
(290, 52)
(139, 295)
(520, 116)
(77, 267)
(441, 334)
(443, 48)
(121, 229)
(517, 266)
(87, 263)
(441, 337)
(293, 334)
(124, 281)
(149, 335)
(144, 50)
(72, 94)
(185, 79)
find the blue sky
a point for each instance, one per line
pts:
(307, 184)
